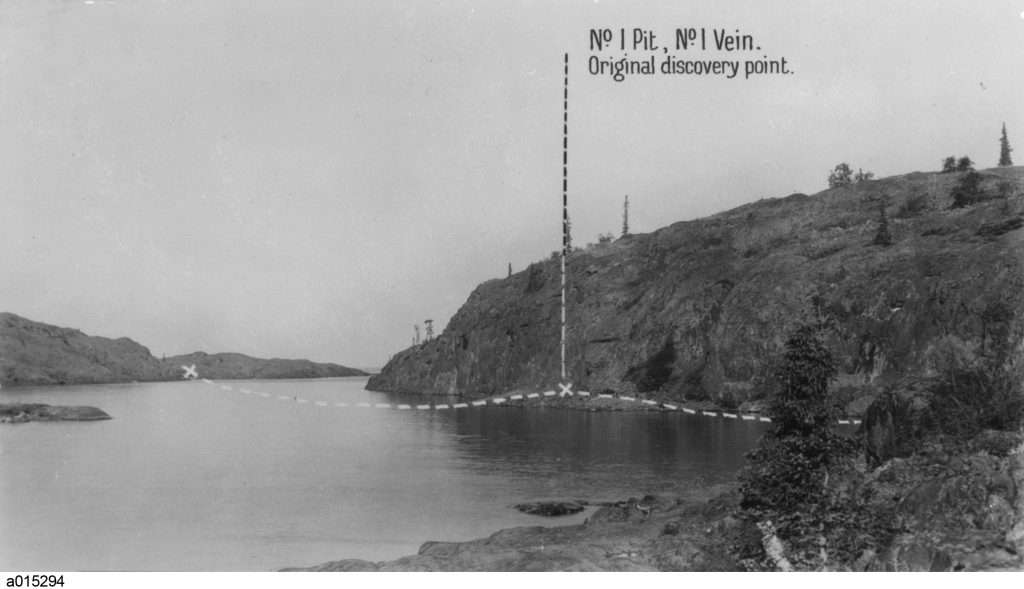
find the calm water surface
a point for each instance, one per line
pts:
(188, 476)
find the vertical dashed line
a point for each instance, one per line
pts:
(565, 192)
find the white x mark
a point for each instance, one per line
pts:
(566, 389)
(190, 371)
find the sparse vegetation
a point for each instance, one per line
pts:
(949, 165)
(862, 176)
(964, 164)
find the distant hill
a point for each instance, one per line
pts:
(33, 353)
(701, 309)
(233, 366)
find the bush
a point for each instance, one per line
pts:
(964, 164)
(793, 483)
(970, 399)
(968, 191)
(841, 175)
(949, 165)
(862, 176)
(914, 204)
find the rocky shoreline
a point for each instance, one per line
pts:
(655, 533)
(25, 412)
(955, 505)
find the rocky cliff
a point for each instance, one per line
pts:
(700, 309)
(37, 353)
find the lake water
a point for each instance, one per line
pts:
(192, 477)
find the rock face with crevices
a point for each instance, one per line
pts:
(701, 309)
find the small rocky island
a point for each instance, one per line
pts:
(23, 412)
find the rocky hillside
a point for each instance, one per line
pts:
(229, 366)
(37, 353)
(700, 309)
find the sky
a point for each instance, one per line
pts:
(311, 179)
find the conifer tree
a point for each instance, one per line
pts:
(883, 237)
(1005, 149)
(625, 217)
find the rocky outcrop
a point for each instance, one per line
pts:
(701, 309)
(960, 502)
(961, 508)
(23, 412)
(33, 353)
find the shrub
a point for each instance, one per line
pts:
(841, 175)
(967, 400)
(968, 191)
(862, 176)
(914, 204)
(883, 237)
(949, 165)
(964, 164)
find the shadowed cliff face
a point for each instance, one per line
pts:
(33, 353)
(700, 309)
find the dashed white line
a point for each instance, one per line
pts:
(627, 398)
(363, 405)
(404, 407)
(423, 406)
(479, 403)
(321, 404)
(729, 415)
(532, 396)
(709, 414)
(690, 411)
(516, 397)
(498, 400)
(550, 393)
(672, 407)
(341, 404)
(460, 406)
(441, 406)
(766, 419)
(383, 406)
(603, 396)
(649, 402)
(583, 393)
(748, 417)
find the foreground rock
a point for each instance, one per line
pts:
(552, 508)
(23, 412)
(664, 533)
